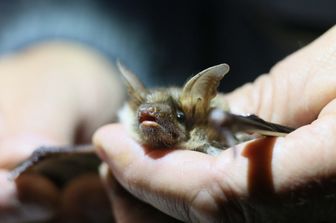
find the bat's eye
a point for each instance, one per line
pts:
(180, 116)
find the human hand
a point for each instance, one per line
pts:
(52, 94)
(288, 179)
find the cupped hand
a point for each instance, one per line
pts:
(285, 179)
(53, 93)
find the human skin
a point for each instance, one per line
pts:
(285, 179)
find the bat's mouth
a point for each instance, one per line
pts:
(147, 120)
(149, 124)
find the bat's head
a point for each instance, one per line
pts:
(160, 120)
(164, 117)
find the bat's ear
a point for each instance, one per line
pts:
(200, 89)
(136, 89)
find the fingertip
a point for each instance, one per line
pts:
(115, 146)
(103, 133)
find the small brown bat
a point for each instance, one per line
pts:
(191, 118)
(174, 117)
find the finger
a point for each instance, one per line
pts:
(180, 183)
(296, 89)
(85, 200)
(30, 198)
(126, 208)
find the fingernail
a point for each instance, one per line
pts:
(8, 193)
(107, 179)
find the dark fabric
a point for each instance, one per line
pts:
(167, 41)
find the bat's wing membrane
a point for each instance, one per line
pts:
(251, 124)
(59, 163)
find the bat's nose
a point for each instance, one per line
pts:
(147, 113)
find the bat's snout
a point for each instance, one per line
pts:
(147, 114)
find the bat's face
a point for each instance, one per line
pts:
(164, 117)
(161, 121)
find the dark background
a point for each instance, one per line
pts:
(167, 41)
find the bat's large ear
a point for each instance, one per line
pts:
(200, 89)
(136, 89)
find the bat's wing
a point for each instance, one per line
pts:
(59, 163)
(227, 122)
(254, 124)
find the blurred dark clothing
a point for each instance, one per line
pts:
(167, 41)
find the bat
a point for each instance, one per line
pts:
(191, 118)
